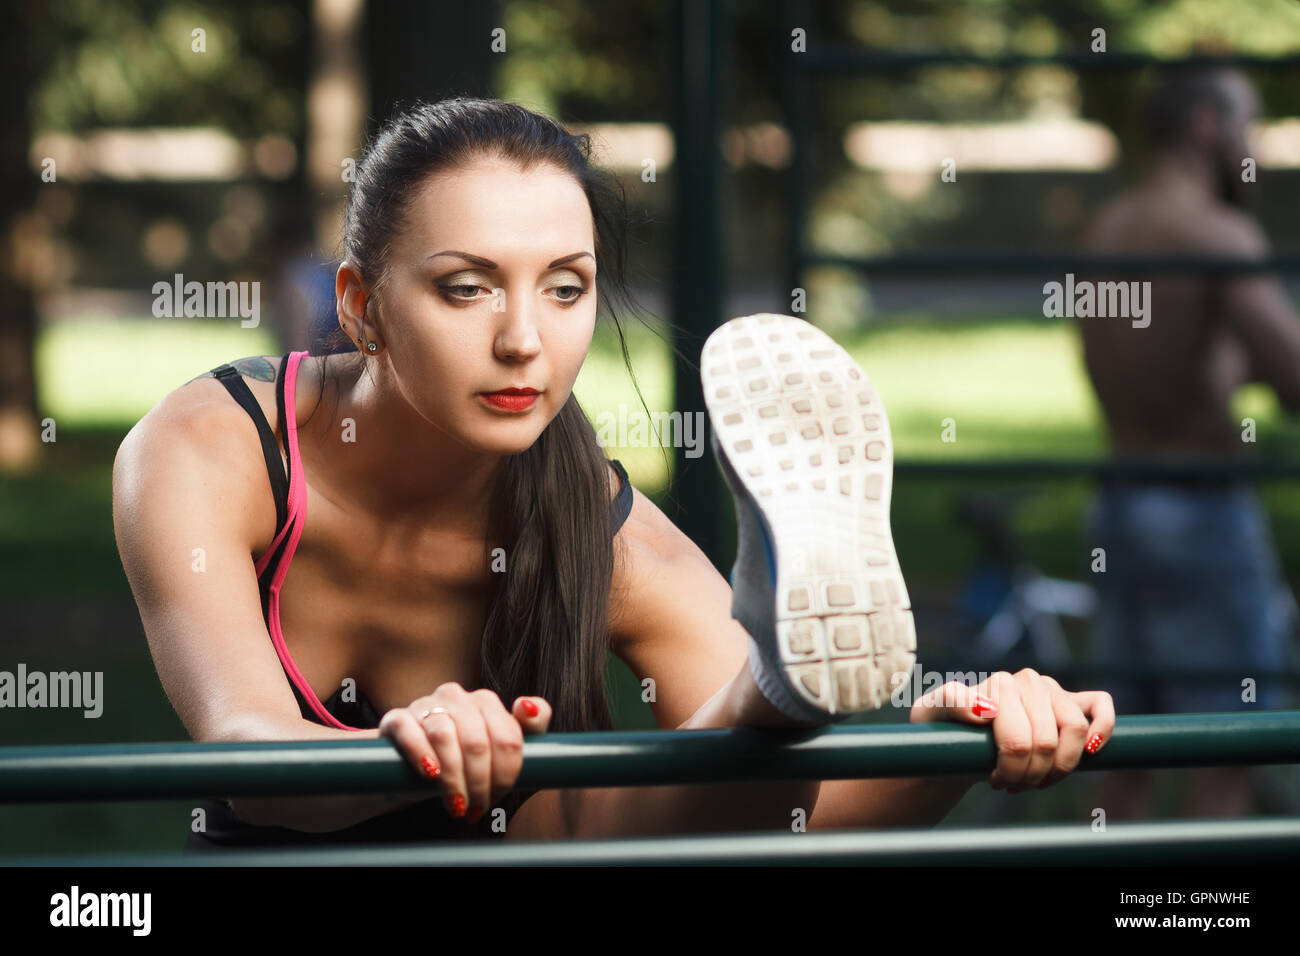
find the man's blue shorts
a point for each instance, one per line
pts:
(1191, 581)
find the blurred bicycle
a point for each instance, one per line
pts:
(1008, 608)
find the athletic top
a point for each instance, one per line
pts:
(427, 820)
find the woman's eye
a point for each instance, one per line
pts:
(577, 292)
(470, 289)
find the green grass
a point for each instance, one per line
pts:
(1007, 389)
(1015, 388)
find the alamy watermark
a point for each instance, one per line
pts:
(26, 688)
(631, 429)
(1085, 300)
(132, 910)
(908, 692)
(196, 300)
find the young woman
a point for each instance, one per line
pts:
(447, 556)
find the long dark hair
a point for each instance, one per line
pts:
(546, 628)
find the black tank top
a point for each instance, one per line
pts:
(427, 820)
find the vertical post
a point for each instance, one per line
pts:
(20, 449)
(698, 283)
(336, 91)
(794, 89)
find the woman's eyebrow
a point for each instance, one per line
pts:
(489, 264)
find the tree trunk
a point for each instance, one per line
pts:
(20, 446)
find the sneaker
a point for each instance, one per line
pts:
(802, 440)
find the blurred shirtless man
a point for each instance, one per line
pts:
(1191, 578)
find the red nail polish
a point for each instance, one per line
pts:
(529, 707)
(475, 815)
(458, 806)
(984, 707)
(1094, 743)
(430, 768)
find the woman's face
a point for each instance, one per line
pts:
(491, 285)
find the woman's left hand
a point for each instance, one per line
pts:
(1041, 729)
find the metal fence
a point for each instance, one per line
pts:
(184, 770)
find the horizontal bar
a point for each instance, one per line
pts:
(1100, 469)
(1210, 841)
(1050, 265)
(1074, 672)
(848, 58)
(156, 771)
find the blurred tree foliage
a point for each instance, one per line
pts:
(131, 63)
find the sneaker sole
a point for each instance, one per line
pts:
(807, 435)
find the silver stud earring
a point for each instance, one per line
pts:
(372, 346)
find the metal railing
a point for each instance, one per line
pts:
(1047, 265)
(1112, 469)
(630, 758)
(839, 59)
(1198, 842)
(171, 770)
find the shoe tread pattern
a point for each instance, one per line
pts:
(805, 431)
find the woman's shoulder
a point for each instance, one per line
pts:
(204, 411)
(258, 368)
(198, 438)
(196, 405)
(206, 392)
(201, 418)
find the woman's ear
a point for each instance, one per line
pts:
(353, 304)
(349, 294)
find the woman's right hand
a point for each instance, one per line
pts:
(468, 741)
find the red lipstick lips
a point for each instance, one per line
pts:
(511, 399)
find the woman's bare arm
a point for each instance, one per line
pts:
(189, 494)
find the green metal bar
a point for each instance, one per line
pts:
(845, 58)
(1211, 841)
(172, 770)
(796, 101)
(1051, 265)
(1098, 469)
(1077, 673)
